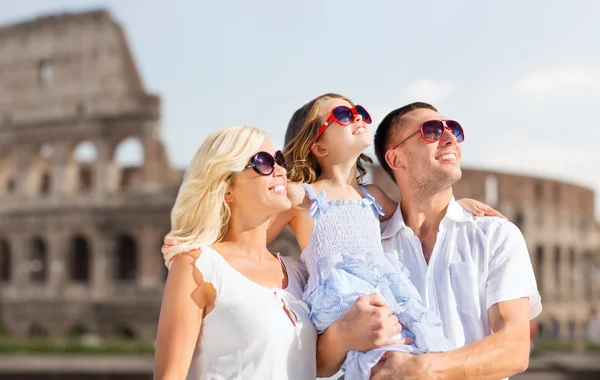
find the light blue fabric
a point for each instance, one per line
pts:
(345, 260)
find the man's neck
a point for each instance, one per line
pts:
(423, 215)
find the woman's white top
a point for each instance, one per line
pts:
(248, 334)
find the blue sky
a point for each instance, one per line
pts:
(523, 77)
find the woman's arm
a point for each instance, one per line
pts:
(478, 208)
(296, 195)
(186, 300)
(278, 224)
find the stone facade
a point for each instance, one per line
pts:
(80, 240)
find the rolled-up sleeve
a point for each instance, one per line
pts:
(511, 274)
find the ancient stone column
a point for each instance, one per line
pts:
(103, 250)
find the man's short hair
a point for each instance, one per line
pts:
(389, 128)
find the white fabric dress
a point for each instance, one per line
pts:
(248, 334)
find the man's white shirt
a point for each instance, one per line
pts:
(476, 262)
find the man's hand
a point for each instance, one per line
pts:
(400, 365)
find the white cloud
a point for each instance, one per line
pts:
(428, 90)
(549, 81)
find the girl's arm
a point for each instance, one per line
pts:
(186, 300)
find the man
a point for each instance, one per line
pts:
(474, 273)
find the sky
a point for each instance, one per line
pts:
(522, 77)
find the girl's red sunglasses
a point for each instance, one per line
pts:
(344, 115)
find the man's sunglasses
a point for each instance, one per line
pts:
(264, 163)
(344, 116)
(433, 130)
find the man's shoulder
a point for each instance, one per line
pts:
(490, 225)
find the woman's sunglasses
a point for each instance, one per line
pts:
(344, 116)
(264, 163)
(433, 130)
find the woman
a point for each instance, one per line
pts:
(231, 309)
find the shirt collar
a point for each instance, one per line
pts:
(455, 212)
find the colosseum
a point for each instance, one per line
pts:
(80, 237)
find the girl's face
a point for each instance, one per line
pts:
(347, 138)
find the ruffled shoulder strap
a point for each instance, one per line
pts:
(318, 204)
(369, 200)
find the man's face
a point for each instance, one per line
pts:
(434, 166)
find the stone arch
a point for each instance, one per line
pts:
(572, 272)
(7, 176)
(520, 219)
(539, 266)
(79, 259)
(38, 260)
(83, 158)
(41, 170)
(125, 332)
(5, 261)
(78, 330)
(129, 156)
(165, 270)
(37, 330)
(126, 259)
(558, 283)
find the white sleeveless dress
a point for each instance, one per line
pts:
(248, 334)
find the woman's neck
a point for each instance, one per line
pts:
(247, 238)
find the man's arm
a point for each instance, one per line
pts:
(512, 300)
(502, 354)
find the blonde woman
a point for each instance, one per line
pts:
(231, 309)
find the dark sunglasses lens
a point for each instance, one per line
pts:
(432, 130)
(280, 159)
(365, 115)
(264, 163)
(456, 129)
(342, 115)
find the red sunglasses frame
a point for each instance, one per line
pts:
(428, 141)
(332, 118)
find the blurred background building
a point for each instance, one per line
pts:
(79, 239)
(80, 234)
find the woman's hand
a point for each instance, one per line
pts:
(479, 208)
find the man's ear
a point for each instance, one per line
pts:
(319, 151)
(394, 159)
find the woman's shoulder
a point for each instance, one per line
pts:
(195, 262)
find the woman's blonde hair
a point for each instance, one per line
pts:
(300, 136)
(200, 216)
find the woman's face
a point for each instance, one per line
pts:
(254, 194)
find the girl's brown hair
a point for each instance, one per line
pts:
(300, 136)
